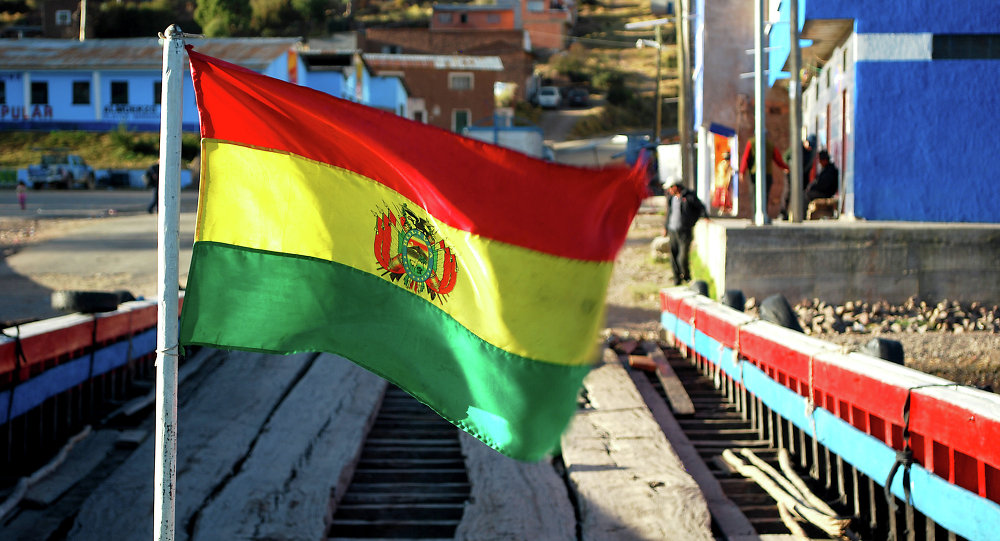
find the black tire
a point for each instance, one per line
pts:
(734, 299)
(87, 302)
(883, 348)
(124, 295)
(700, 287)
(777, 310)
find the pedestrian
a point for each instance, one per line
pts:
(826, 183)
(153, 177)
(683, 211)
(722, 191)
(22, 194)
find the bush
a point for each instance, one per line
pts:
(618, 93)
(635, 114)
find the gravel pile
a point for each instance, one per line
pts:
(957, 341)
(915, 315)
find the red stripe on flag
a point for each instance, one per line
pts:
(487, 190)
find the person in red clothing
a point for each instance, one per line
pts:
(750, 163)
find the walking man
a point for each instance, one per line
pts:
(683, 211)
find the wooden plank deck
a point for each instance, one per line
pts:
(265, 442)
(629, 482)
(513, 500)
(220, 423)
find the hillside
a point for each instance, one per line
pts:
(602, 54)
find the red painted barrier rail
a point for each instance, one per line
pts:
(954, 430)
(47, 343)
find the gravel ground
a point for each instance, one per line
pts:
(969, 358)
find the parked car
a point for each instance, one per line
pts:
(60, 170)
(577, 97)
(549, 97)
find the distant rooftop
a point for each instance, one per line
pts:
(482, 63)
(472, 7)
(133, 53)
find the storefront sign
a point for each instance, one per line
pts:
(17, 113)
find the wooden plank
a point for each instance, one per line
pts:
(306, 455)
(733, 523)
(628, 481)
(678, 397)
(219, 417)
(511, 499)
(83, 458)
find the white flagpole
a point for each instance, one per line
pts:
(168, 218)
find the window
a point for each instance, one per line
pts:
(81, 92)
(391, 49)
(444, 17)
(459, 119)
(157, 92)
(965, 46)
(418, 116)
(40, 93)
(3, 92)
(493, 18)
(460, 81)
(119, 92)
(64, 17)
(463, 18)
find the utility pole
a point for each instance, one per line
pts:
(761, 159)
(795, 198)
(684, 117)
(659, 80)
(83, 20)
(658, 44)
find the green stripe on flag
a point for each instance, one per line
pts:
(262, 301)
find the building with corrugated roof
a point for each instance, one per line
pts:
(512, 46)
(103, 83)
(451, 91)
(547, 22)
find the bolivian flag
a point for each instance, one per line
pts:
(470, 275)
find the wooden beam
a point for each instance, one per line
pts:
(679, 400)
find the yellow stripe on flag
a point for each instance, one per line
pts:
(529, 303)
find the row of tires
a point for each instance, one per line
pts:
(776, 309)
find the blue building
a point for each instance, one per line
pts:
(103, 83)
(904, 96)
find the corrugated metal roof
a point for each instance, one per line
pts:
(133, 53)
(481, 63)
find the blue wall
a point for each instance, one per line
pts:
(141, 113)
(937, 16)
(388, 93)
(331, 82)
(924, 142)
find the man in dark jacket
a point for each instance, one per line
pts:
(825, 184)
(683, 211)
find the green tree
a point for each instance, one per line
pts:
(141, 20)
(291, 17)
(223, 18)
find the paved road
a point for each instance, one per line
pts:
(47, 204)
(109, 244)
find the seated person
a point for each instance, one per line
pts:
(825, 184)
